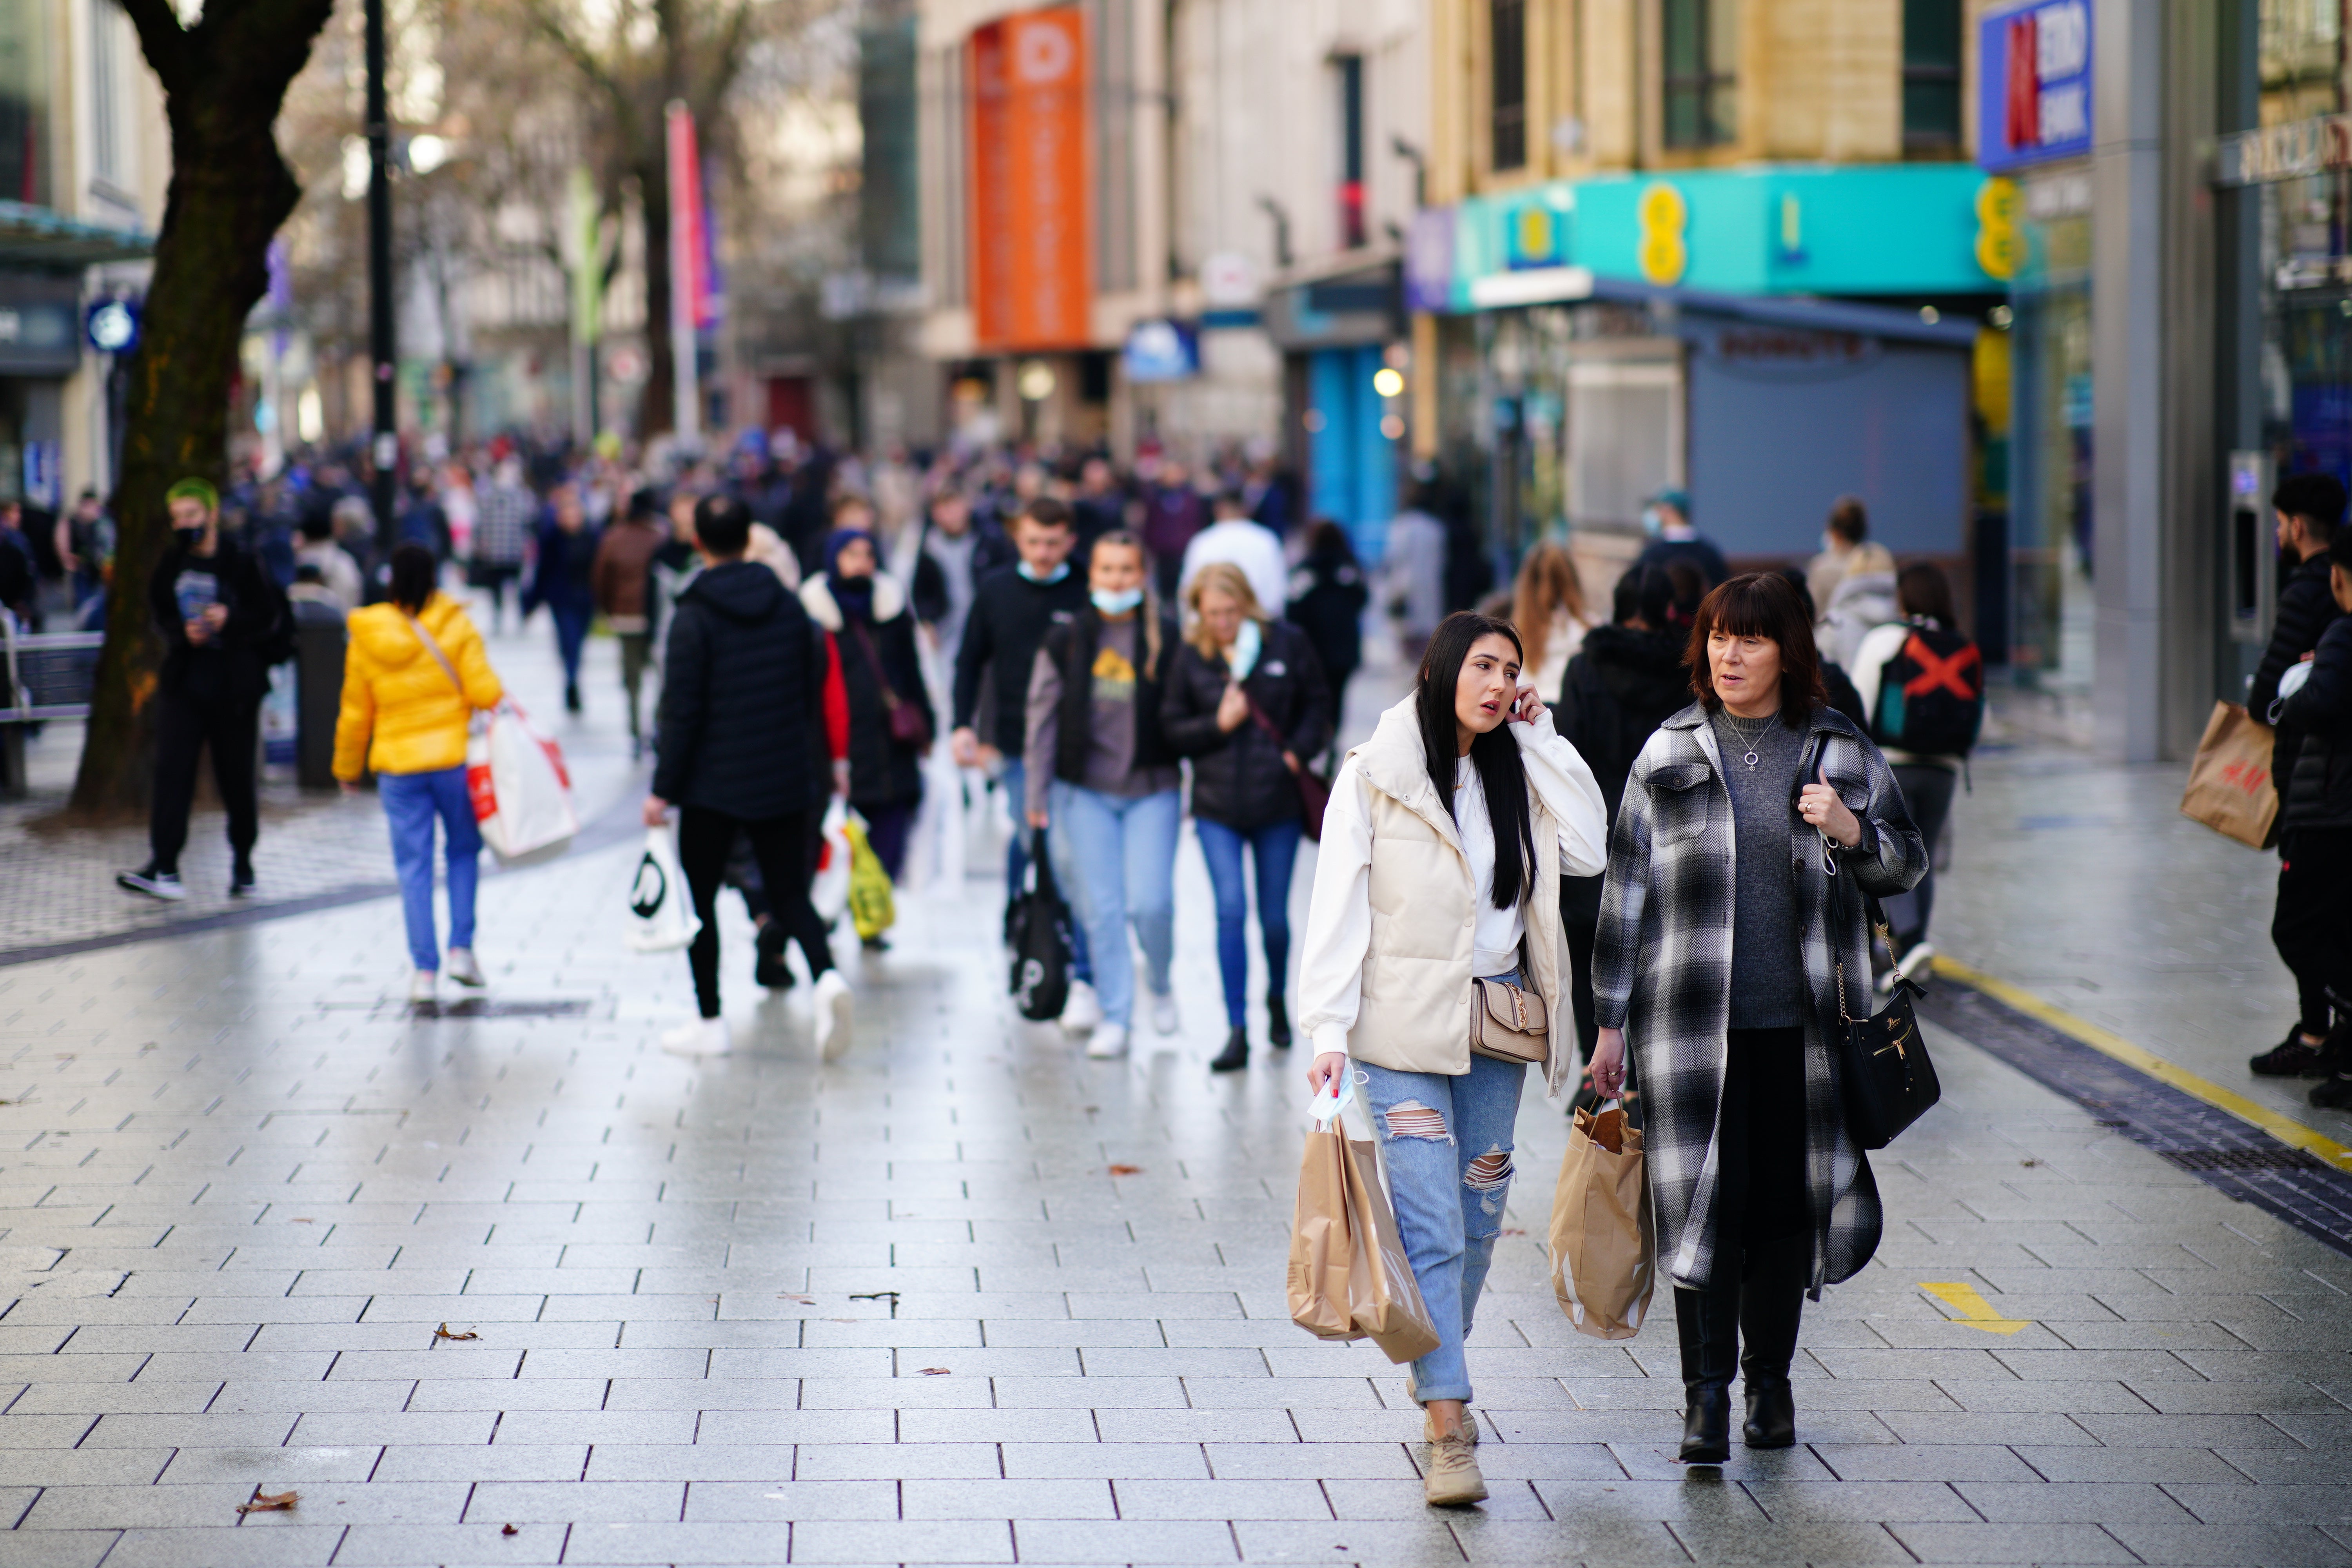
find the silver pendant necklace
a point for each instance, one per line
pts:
(1746, 737)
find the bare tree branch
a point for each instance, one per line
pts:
(162, 39)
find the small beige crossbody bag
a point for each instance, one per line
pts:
(1508, 1023)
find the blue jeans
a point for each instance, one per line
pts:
(571, 634)
(1275, 849)
(1124, 851)
(1013, 781)
(1449, 1178)
(411, 802)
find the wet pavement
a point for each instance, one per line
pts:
(968, 1297)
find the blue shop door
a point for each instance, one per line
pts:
(1353, 466)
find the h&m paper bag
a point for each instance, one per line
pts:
(2230, 788)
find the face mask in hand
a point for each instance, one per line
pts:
(1119, 604)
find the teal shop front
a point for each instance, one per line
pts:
(1765, 339)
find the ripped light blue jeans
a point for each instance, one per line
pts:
(1449, 1177)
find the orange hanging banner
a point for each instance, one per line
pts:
(1030, 229)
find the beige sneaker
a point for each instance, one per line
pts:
(1453, 1479)
(1469, 1428)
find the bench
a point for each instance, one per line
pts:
(42, 675)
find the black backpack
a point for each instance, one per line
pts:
(1039, 928)
(1931, 694)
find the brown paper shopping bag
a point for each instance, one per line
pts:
(1348, 1278)
(2230, 788)
(1605, 1245)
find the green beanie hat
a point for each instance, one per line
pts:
(193, 488)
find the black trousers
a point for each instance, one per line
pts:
(184, 723)
(1580, 919)
(781, 846)
(1927, 792)
(1760, 1192)
(2312, 925)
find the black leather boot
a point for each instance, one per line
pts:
(1236, 1056)
(1708, 1322)
(1277, 1022)
(1771, 1303)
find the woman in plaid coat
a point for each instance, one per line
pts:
(1719, 964)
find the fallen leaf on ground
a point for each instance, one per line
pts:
(2028, 1164)
(300, 1221)
(1515, 1232)
(1127, 1170)
(935, 1371)
(443, 1334)
(266, 1503)
(788, 1296)
(508, 1529)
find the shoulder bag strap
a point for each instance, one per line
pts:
(434, 649)
(857, 630)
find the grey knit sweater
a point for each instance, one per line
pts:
(1767, 981)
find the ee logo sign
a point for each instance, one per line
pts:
(2000, 249)
(1663, 255)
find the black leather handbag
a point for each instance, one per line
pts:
(1885, 1080)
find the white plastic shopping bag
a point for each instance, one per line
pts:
(829, 892)
(662, 910)
(522, 793)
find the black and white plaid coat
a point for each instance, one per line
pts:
(1662, 972)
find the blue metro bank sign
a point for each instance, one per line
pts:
(2034, 84)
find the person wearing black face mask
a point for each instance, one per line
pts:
(220, 616)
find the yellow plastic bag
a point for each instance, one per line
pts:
(871, 909)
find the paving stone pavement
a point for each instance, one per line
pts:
(916, 1308)
(315, 846)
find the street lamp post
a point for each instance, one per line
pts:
(385, 448)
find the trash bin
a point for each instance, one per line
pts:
(319, 636)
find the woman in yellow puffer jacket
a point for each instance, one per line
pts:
(412, 677)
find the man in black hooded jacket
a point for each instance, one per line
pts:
(738, 737)
(1626, 679)
(2309, 508)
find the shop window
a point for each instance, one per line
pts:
(1931, 76)
(1348, 85)
(1506, 46)
(1701, 49)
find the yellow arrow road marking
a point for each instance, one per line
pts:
(1974, 1309)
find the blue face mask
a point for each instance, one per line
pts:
(1055, 575)
(1654, 522)
(1248, 642)
(1116, 604)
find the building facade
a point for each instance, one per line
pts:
(86, 160)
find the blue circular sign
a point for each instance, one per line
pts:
(112, 326)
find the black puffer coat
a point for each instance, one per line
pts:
(1622, 685)
(882, 771)
(2318, 794)
(742, 704)
(1239, 779)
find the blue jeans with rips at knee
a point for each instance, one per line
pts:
(1449, 1189)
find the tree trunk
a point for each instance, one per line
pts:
(230, 191)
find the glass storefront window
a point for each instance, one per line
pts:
(2305, 281)
(2051, 613)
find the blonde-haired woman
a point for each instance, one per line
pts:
(1247, 701)
(1548, 609)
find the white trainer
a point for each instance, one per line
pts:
(421, 986)
(1163, 1013)
(1083, 1010)
(1107, 1040)
(703, 1037)
(837, 1011)
(463, 967)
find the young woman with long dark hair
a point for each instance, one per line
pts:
(1441, 853)
(1718, 963)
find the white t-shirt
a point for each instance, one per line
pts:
(1496, 940)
